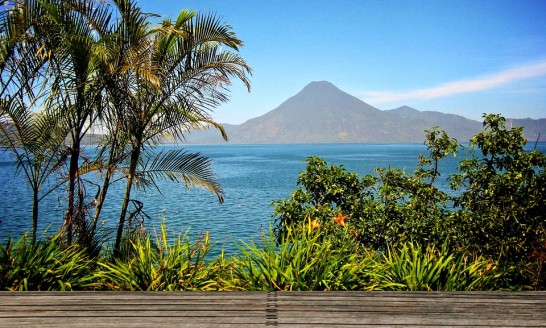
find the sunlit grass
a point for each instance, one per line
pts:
(159, 265)
(304, 260)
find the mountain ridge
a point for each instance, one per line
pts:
(322, 113)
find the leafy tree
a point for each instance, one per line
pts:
(502, 201)
(324, 191)
(390, 208)
(36, 143)
(496, 211)
(140, 83)
(62, 35)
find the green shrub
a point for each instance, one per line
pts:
(162, 266)
(306, 259)
(502, 202)
(496, 210)
(390, 209)
(415, 268)
(44, 265)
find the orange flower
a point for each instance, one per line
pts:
(340, 219)
(314, 224)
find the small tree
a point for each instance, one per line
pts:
(191, 61)
(33, 136)
(502, 204)
(62, 35)
(389, 209)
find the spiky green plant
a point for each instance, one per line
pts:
(194, 58)
(159, 265)
(43, 265)
(304, 260)
(412, 267)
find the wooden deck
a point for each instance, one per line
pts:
(283, 309)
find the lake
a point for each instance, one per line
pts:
(252, 176)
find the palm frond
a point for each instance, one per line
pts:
(193, 169)
(209, 28)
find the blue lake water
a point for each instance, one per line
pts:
(252, 176)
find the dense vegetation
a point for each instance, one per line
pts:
(69, 66)
(495, 210)
(340, 231)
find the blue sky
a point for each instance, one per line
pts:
(460, 57)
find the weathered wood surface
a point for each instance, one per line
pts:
(283, 309)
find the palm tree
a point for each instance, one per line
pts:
(189, 72)
(70, 40)
(36, 141)
(125, 44)
(77, 91)
(34, 138)
(140, 83)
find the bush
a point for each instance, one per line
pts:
(496, 211)
(44, 265)
(306, 259)
(411, 268)
(162, 266)
(502, 202)
(390, 209)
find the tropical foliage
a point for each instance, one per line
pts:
(413, 268)
(158, 265)
(68, 67)
(502, 202)
(306, 260)
(496, 209)
(43, 265)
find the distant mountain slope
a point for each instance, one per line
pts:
(88, 139)
(535, 130)
(414, 123)
(209, 136)
(322, 113)
(319, 113)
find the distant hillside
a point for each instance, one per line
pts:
(88, 139)
(412, 123)
(209, 136)
(535, 130)
(322, 113)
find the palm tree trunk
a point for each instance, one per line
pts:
(106, 183)
(113, 160)
(72, 173)
(35, 202)
(100, 201)
(135, 154)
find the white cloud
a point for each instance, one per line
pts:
(463, 86)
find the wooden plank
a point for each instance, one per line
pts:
(441, 307)
(409, 322)
(130, 307)
(412, 309)
(91, 295)
(257, 309)
(108, 301)
(99, 322)
(470, 297)
(127, 309)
